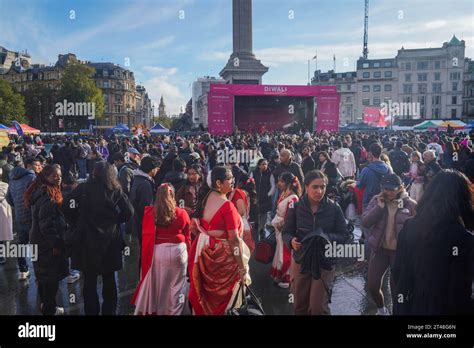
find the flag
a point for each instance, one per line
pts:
(316, 56)
(18, 128)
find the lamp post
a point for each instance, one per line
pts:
(50, 123)
(128, 116)
(39, 105)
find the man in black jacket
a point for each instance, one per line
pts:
(314, 211)
(399, 160)
(142, 193)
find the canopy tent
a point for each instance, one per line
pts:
(428, 124)
(29, 130)
(453, 124)
(118, 129)
(26, 129)
(469, 125)
(159, 129)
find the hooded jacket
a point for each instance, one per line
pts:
(376, 217)
(370, 178)
(20, 179)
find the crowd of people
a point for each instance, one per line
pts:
(198, 220)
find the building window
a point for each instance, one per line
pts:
(386, 100)
(422, 100)
(422, 87)
(453, 113)
(435, 112)
(436, 100)
(348, 99)
(408, 66)
(365, 101)
(388, 73)
(436, 87)
(118, 108)
(455, 86)
(422, 65)
(105, 73)
(455, 76)
(106, 84)
(387, 64)
(377, 74)
(407, 99)
(407, 88)
(366, 88)
(376, 65)
(422, 77)
(366, 75)
(454, 100)
(407, 77)
(437, 64)
(377, 88)
(349, 87)
(437, 76)
(365, 65)
(387, 88)
(376, 101)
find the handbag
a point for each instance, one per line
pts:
(251, 304)
(265, 249)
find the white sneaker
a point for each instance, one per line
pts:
(59, 311)
(23, 275)
(284, 285)
(383, 311)
(72, 278)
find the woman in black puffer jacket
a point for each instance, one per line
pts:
(310, 224)
(44, 197)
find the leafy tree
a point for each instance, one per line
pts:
(78, 86)
(48, 97)
(12, 104)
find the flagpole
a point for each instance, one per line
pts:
(309, 67)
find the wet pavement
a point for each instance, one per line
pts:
(349, 294)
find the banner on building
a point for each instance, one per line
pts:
(327, 113)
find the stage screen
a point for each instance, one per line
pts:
(268, 113)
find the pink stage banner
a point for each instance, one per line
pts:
(220, 113)
(221, 104)
(327, 113)
(273, 90)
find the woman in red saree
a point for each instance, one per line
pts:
(218, 260)
(165, 244)
(241, 197)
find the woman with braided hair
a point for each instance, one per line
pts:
(44, 198)
(290, 189)
(244, 197)
(165, 245)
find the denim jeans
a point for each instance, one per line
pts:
(23, 231)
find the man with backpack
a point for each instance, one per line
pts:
(369, 181)
(399, 160)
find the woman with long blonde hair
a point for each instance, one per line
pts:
(165, 245)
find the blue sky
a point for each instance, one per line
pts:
(167, 53)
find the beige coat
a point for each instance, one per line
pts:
(6, 217)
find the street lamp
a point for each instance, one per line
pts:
(39, 105)
(128, 116)
(50, 123)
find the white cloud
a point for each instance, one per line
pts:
(165, 82)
